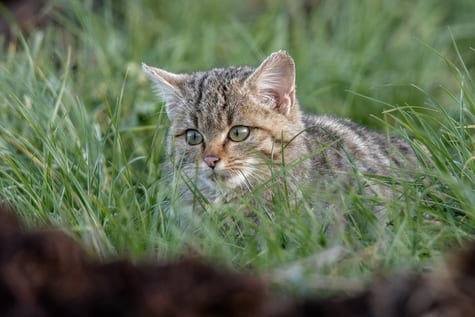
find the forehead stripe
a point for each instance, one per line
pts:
(200, 89)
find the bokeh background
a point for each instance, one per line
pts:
(82, 133)
(376, 48)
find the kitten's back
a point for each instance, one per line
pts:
(343, 145)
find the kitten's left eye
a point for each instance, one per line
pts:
(239, 133)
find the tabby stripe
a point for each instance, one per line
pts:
(200, 89)
(276, 139)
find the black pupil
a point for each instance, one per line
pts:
(239, 133)
(193, 137)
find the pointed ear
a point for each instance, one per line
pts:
(168, 86)
(274, 82)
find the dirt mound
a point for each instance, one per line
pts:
(46, 273)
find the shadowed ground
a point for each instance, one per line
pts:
(46, 273)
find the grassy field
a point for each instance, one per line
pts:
(82, 135)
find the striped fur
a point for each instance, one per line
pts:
(264, 100)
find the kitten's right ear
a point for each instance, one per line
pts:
(169, 87)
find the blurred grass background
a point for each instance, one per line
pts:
(82, 135)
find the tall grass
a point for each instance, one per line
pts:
(82, 136)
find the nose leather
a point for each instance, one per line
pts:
(211, 160)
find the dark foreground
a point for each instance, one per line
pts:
(46, 273)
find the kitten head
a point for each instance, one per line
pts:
(229, 124)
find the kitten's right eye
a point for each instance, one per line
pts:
(193, 137)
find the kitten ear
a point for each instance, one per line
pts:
(274, 80)
(169, 87)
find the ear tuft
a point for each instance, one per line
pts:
(274, 82)
(169, 87)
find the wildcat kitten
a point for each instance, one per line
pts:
(230, 128)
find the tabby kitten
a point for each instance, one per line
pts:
(230, 128)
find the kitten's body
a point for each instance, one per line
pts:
(210, 112)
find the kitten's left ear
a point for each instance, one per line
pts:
(274, 80)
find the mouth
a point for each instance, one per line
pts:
(214, 176)
(221, 178)
(218, 177)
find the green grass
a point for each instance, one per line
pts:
(82, 135)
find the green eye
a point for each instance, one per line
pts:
(193, 137)
(239, 133)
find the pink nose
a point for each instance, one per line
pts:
(211, 160)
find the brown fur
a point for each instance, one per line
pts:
(264, 99)
(28, 14)
(45, 273)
